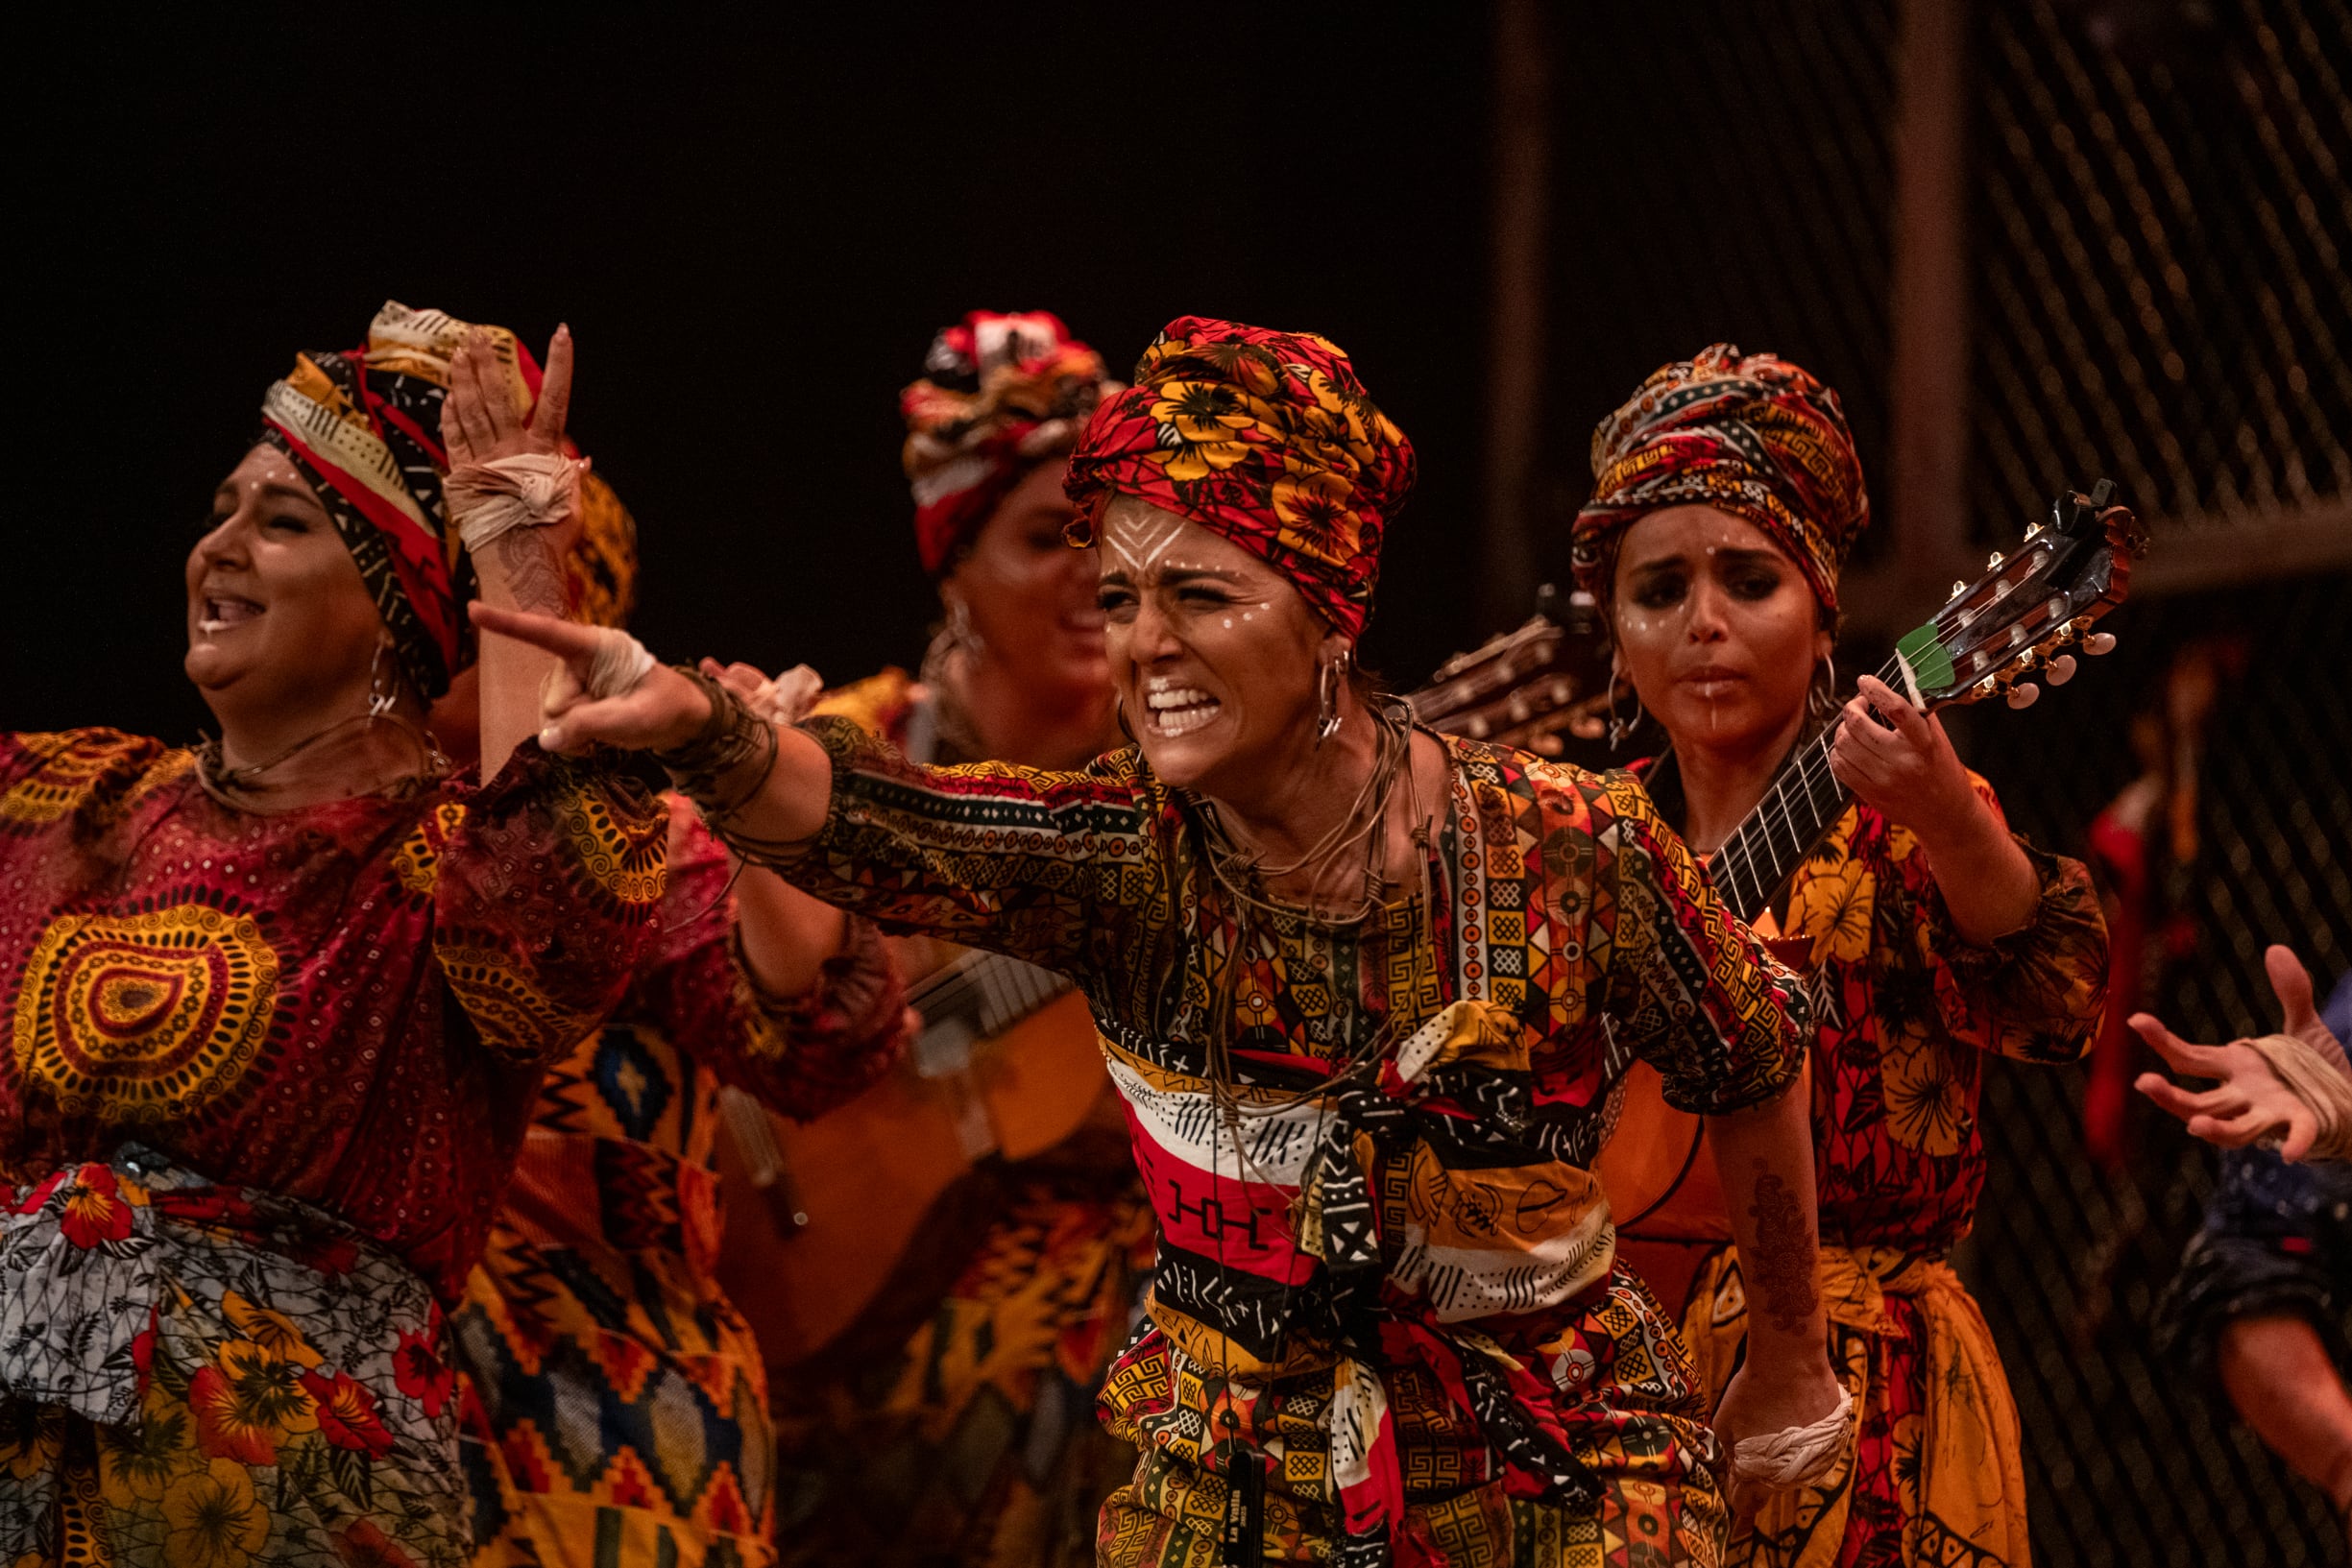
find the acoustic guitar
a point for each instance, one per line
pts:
(1005, 1065)
(2017, 620)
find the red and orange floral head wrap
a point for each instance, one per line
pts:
(364, 427)
(1752, 435)
(1265, 438)
(999, 394)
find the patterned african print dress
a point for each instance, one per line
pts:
(958, 1428)
(616, 1408)
(267, 1077)
(1907, 1011)
(1385, 1322)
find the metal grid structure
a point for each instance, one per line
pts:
(2164, 293)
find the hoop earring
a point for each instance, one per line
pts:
(1821, 699)
(959, 630)
(1619, 726)
(1118, 708)
(1327, 677)
(382, 690)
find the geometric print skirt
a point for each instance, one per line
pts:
(215, 1377)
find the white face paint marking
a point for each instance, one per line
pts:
(1148, 543)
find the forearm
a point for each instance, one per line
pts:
(1989, 886)
(2278, 1375)
(784, 934)
(517, 571)
(1764, 1157)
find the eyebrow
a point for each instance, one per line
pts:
(1189, 574)
(1738, 556)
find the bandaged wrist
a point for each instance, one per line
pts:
(620, 662)
(1794, 1455)
(529, 489)
(2318, 1080)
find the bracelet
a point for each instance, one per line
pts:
(731, 736)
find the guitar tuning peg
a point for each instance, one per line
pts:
(2098, 643)
(1958, 588)
(2024, 695)
(1992, 564)
(2062, 669)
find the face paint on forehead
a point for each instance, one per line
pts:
(1139, 544)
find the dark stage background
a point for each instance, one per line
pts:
(2030, 241)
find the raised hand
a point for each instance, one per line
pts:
(479, 421)
(2249, 1102)
(1906, 769)
(662, 711)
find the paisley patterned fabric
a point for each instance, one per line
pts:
(1263, 438)
(619, 1404)
(1409, 1330)
(1748, 434)
(348, 1004)
(215, 1376)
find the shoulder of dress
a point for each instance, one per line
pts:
(46, 775)
(879, 705)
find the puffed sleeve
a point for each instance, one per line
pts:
(2036, 994)
(800, 1055)
(1692, 990)
(1053, 868)
(547, 885)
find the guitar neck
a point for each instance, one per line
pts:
(1796, 813)
(982, 995)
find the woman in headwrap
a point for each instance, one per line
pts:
(283, 1001)
(952, 1425)
(599, 1289)
(1363, 990)
(1727, 495)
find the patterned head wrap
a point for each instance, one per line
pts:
(364, 427)
(999, 394)
(1265, 438)
(602, 569)
(1753, 434)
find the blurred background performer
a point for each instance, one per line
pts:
(1727, 495)
(617, 1403)
(1355, 985)
(283, 1000)
(2261, 1301)
(954, 1423)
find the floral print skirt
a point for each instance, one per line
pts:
(210, 1376)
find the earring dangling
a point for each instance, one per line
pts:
(1619, 726)
(1118, 708)
(1327, 716)
(959, 629)
(383, 692)
(1821, 700)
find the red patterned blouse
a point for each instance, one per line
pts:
(348, 1003)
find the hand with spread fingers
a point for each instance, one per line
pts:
(2251, 1101)
(482, 428)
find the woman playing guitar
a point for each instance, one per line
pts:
(1727, 495)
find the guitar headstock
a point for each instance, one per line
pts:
(1527, 687)
(2029, 608)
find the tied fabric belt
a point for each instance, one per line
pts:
(644, 1199)
(1269, 1225)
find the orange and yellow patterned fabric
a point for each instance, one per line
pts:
(615, 1403)
(1748, 434)
(958, 1428)
(1907, 1013)
(1264, 438)
(1385, 1318)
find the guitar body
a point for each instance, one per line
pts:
(823, 1216)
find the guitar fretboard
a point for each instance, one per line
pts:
(1796, 812)
(983, 994)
